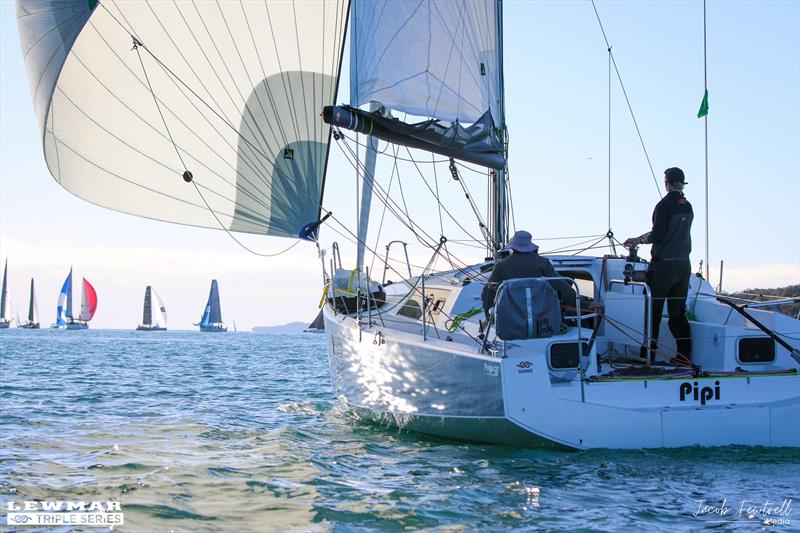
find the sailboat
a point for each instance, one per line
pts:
(154, 314)
(64, 317)
(318, 324)
(234, 141)
(5, 321)
(33, 312)
(211, 321)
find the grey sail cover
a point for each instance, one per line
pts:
(429, 58)
(238, 87)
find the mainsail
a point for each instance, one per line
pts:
(64, 308)
(432, 59)
(131, 95)
(212, 314)
(33, 308)
(88, 301)
(147, 313)
(4, 294)
(215, 313)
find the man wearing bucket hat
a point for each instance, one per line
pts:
(670, 268)
(524, 262)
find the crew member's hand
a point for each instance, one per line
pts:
(632, 242)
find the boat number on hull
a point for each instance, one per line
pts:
(688, 390)
(525, 367)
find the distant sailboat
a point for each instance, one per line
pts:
(64, 318)
(212, 316)
(5, 321)
(154, 315)
(317, 326)
(33, 313)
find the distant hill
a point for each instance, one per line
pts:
(761, 295)
(291, 327)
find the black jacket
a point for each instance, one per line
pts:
(672, 224)
(515, 266)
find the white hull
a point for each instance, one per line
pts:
(447, 388)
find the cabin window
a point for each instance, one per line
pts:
(564, 355)
(756, 350)
(411, 309)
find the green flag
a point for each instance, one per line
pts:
(703, 106)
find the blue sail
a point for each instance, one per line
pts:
(205, 322)
(66, 290)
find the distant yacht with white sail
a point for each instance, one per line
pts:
(33, 312)
(154, 315)
(64, 318)
(211, 321)
(5, 321)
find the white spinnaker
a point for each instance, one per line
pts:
(159, 311)
(240, 86)
(430, 58)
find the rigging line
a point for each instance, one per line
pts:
(419, 170)
(131, 147)
(136, 44)
(231, 235)
(481, 224)
(441, 222)
(410, 224)
(173, 77)
(355, 161)
(246, 160)
(414, 286)
(144, 121)
(592, 246)
(386, 150)
(627, 100)
(383, 215)
(194, 93)
(609, 139)
(571, 245)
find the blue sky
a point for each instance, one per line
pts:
(557, 109)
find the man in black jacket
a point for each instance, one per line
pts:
(525, 262)
(670, 269)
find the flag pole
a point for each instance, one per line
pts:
(705, 85)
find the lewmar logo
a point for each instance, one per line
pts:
(525, 367)
(65, 513)
(703, 395)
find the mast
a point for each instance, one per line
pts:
(499, 209)
(370, 160)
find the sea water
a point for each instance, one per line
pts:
(239, 432)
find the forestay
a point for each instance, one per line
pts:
(238, 87)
